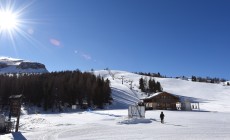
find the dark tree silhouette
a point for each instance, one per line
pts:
(142, 85)
(52, 90)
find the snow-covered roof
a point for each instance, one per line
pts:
(151, 96)
(156, 94)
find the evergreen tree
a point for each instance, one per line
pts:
(152, 86)
(194, 78)
(141, 84)
(158, 74)
(51, 90)
(158, 87)
(107, 91)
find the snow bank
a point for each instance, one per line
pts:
(135, 121)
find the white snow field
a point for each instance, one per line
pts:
(212, 122)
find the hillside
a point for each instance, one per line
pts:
(213, 97)
(212, 122)
(12, 65)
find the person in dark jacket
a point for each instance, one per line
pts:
(162, 117)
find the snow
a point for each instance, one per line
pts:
(135, 121)
(12, 64)
(226, 83)
(14, 69)
(114, 124)
(212, 97)
(9, 59)
(211, 122)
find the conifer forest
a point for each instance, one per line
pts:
(57, 89)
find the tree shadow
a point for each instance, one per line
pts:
(178, 125)
(192, 99)
(18, 136)
(106, 114)
(167, 123)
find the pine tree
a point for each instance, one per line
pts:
(158, 87)
(152, 85)
(107, 90)
(141, 84)
(51, 90)
(194, 78)
(158, 74)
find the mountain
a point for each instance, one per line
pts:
(12, 65)
(212, 97)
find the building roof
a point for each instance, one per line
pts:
(156, 94)
(181, 98)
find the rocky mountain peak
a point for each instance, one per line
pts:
(12, 65)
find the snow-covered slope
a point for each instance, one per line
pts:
(122, 94)
(227, 83)
(12, 65)
(114, 124)
(214, 123)
(213, 97)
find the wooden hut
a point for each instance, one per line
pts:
(162, 101)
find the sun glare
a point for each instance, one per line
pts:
(8, 20)
(12, 21)
(16, 24)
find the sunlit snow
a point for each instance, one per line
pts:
(211, 122)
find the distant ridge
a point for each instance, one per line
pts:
(13, 65)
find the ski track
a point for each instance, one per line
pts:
(175, 127)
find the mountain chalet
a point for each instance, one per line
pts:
(168, 101)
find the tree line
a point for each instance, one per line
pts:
(56, 89)
(208, 79)
(193, 78)
(150, 74)
(150, 85)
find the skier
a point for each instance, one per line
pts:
(162, 117)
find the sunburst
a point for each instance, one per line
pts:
(8, 20)
(12, 22)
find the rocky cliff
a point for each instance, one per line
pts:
(12, 65)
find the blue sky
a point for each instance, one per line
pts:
(173, 37)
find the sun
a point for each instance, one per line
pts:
(12, 20)
(8, 21)
(16, 24)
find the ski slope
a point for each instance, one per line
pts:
(114, 124)
(213, 97)
(211, 123)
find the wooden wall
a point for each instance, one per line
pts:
(162, 101)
